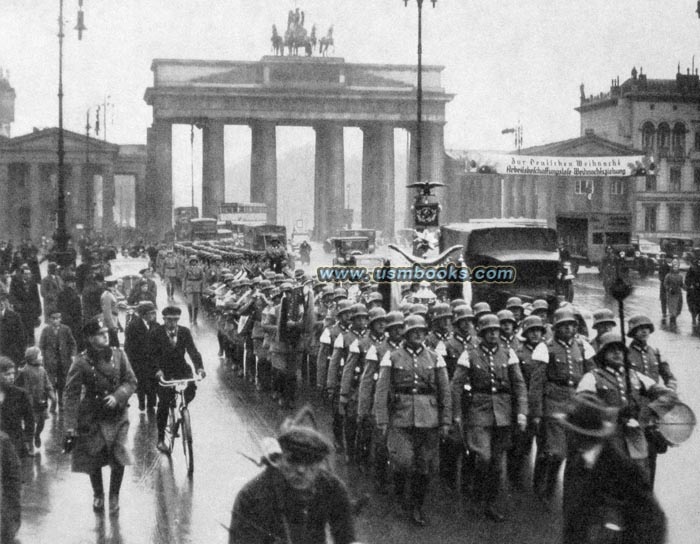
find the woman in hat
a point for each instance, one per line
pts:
(97, 421)
(606, 496)
(295, 498)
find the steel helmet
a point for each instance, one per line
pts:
(405, 308)
(375, 297)
(358, 310)
(607, 340)
(441, 310)
(344, 306)
(533, 322)
(488, 321)
(481, 308)
(514, 302)
(539, 305)
(394, 319)
(462, 311)
(639, 321)
(457, 302)
(603, 316)
(414, 322)
(419, 309)
(564, 315)
(506, 315)
(340, 293)
(327, 291)
(376, 314)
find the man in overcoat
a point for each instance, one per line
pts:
(16, 414)
(136, 345)
(98, 387)
(24, 295)
(12, 337)
(58, 348)
(51, 286)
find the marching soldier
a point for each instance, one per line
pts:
(540, 308)
(565, 359)
(359, 432)
(262, 370)
(459, 341)
(284, 352)
(170, 273)
(413, 407)
(533, 330)
(480, 309)
(393, 327)
(269, 325)
(327, 341)
(192, 287)
(491, 378)
(648, 361)
(603, 321)
(356, 331)
(515, 305)
(508, 324)
(609, 383)
(439, 328)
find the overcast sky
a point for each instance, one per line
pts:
(504, 60)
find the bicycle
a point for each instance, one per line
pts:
(179, 420)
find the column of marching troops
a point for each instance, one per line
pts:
(448, 385)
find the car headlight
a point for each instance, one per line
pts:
(637, 254)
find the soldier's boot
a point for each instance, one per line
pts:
(338, 432)
(381, 469)
(350, 433)
(195, 312)
(514, 466)
(539, 476)
(400, 489)
(189, 312)
(468, 474)
(449, 453)
(419, 489)
(554, 464)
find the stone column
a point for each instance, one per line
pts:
(140, 200)
(213, 168)
(378, 178)
(161, 184)
(330, 179)
(75, 186)
(529, 196)
(263, 167)
(108, 196)
(37, 211)
(4, 199)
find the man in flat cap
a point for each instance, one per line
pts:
(296, 497)
(137, 348)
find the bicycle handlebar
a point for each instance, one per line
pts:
(174, 383)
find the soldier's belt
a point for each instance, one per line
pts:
(563, 383)
(491, 391)
(414, 391)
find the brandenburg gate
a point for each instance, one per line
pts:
(324, 93)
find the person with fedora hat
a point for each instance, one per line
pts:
(413, 407)
(562, 363)
(603, 321)
(168, 345)
(606, 496)
(533, 331)
(296, 498)
(24, 296)
(391, 341)
(358, 432)
(490, 377)
(137, 348)
(98, 386)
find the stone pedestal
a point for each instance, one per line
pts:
(213, 168)
(432, 164)
(263, 167)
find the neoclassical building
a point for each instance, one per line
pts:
(662, 118)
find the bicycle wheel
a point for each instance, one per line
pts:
(171, 429)
(187, 440)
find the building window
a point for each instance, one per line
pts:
(650, 218)
(663, 136)
(598, 238)
(650, 183)
(617, 187)
(697, 141)
(648, 136)
(678, 140)
(675, 180)
(583, 186)
(674, 217)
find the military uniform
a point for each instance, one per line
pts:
(326, 341)
(492, 380)
(413, 398)
(648, 361)
(335, 369)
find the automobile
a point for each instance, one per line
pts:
(680, 247)
(348, 248)
(634, 259)
(299, 236)
(370, 234)
(651, 250)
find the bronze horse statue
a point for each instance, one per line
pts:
(277, 42)
(326, 42)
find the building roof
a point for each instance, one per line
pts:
(44, 138)
(589, 145)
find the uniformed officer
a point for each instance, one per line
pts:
(192, 287)
(533, 330)
(451, 448)
(515, 305)
(439, 328)
(358, 432)
(609, 382)
(394, 323)
(603, 321)
(480, 309)
(357, 331)
(413, 407)
(490, 375)
(419, 309)
(508, 324)
(565, 359)
(325, 351)
(374, 300)
(648, 361)
(540, 308)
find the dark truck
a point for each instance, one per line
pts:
(258, 238)
(529, 246)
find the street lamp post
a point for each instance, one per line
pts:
(426, 207)
(61, 237)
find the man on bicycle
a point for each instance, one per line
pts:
(169, 344)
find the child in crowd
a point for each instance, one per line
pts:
(33, 378)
